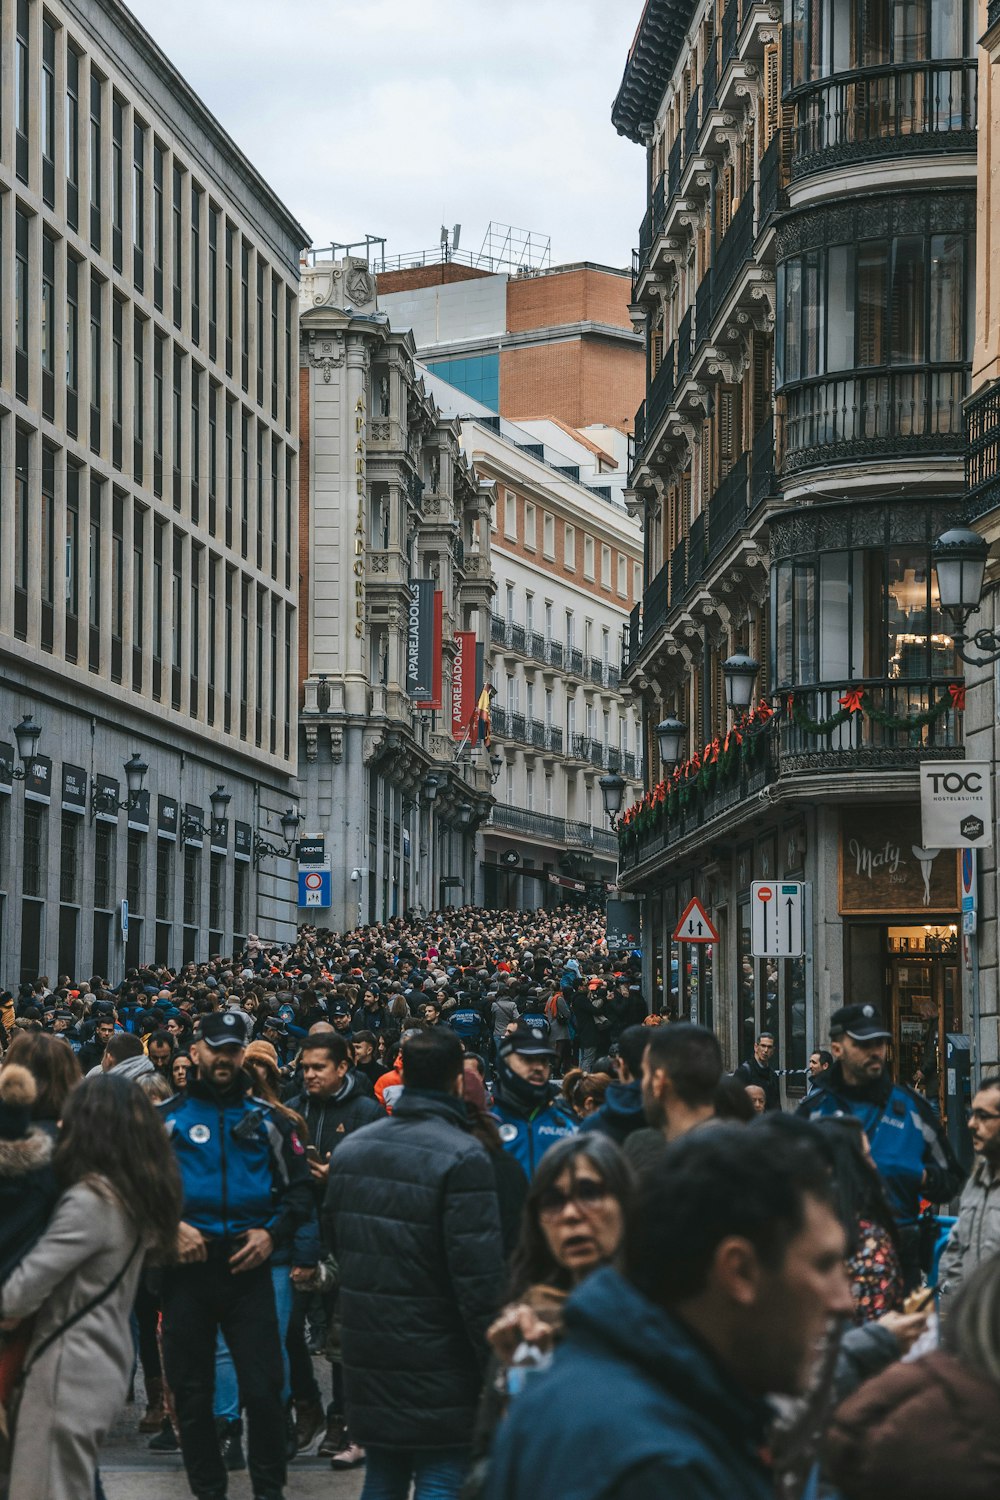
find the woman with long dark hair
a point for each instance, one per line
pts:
(873, 1263)
(120, 1200)
(55, 1069)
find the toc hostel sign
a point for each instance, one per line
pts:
(956, 804)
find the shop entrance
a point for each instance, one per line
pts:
(924, 1003)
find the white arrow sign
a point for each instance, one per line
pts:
(776, 919)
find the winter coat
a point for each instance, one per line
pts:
(502, 1013)
(632, 1407)
(976, 1235)
(411, 1213)
(620, 1114)
(28, 1194)
(331, 1121)
(928, 1430)
(904, 1133)
(78, 1386)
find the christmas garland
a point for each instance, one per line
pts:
(723, 760)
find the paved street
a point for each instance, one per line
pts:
(130, 1472)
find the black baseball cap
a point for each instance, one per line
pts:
(862, 1023)
(223, 1029)
(528, 1041)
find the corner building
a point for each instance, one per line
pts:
(805, 276)
(148, 527)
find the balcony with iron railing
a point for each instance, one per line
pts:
(703, 308)
(683, 342)
(882, 112)
(730, 32)
(678, 572)
(762, 463)
(595, 670)
(660, 393)
(903, 723)
(674, 162)
(885, 412)
(637, 437)
(710, 78)
(727, 509)
(573, 658)
(691, 121)
(771, 194)
(632, 638)
(498, 630)
(696, 552)
(735, 251)
(982, 464)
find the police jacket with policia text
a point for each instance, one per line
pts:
(528, 1125)
(242, 1165)
(904, 1134)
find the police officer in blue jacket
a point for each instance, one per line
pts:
(908, 1145)
(530, 1120)
(246, 1190)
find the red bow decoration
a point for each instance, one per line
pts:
(957, 691)
(764, 712)
(852, 700)
(790, 704)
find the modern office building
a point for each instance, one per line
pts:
(390, 514)
(148, 509)
(552, 341)
(806, 273)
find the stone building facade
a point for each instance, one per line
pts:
(386, 498)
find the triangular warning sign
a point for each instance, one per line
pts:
(695, 925)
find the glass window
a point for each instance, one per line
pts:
(908, 301)
(840, 284)
(947, 297)
(804, 664)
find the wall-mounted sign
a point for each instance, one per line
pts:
(166, 817)
(315, 887)
(194, 815)
(420, 641)
(219, 839)
(956, 804)
(106, 806)
(138, 812)
(885, 868)
(6, 767)
(38, 780)
(74, 789)
(312, 851)
(463, 684)
(242, 840)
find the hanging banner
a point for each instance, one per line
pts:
(420, 641)
(437, 653)
(463, 683)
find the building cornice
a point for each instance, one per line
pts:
(652, 57)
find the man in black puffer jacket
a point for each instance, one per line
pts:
(411, 1212)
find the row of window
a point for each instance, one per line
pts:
(119, 185)
(597, 724)
(826, 37)
(101, 580)
(544, 622)
(519, 522)
(102, 885)
(139, 401)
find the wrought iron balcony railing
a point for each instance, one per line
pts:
(727, 509)
(882, 111)
(982, 464)
(866, 413)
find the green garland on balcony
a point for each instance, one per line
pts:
(858, 700)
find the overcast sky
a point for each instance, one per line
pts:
(397, 116)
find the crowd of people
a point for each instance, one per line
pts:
(532, 1239)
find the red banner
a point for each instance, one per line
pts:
(436, 699)
(463, 683)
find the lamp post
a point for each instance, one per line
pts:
(959, 559)
(612, 793)
(740, 672)
(670, 736)
(103, 799)
(496, 765)
(264, 849)
(192, 827)
(26, 737)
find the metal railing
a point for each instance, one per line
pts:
(674, 169)
(524, 820)
(762, 463)
(498, 630)
(678, 572)
(735, 250)
(875, 409)
(632, 638)
(730, 31)
(982, 464)
(881, 111)
(595, 670)
(691, 125)
(684, 345)
(727, 509)
(655, 603)
(660, 394)
(710, 77)
(862, 735)
(703, 308)
(771, 189)
(696, 552)
(574, 661)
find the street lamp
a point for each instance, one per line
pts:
(612, 793)
(26, 737)
(465, 813)
(432, 785)
(740, 672)
(496, 765)
(264, 849)
(103, 798)
(960, 562)
(670, 734)
(192, 827)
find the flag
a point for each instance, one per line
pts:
(479, 728)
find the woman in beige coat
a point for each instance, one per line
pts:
(120, 1200)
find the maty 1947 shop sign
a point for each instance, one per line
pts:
(884, 867)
